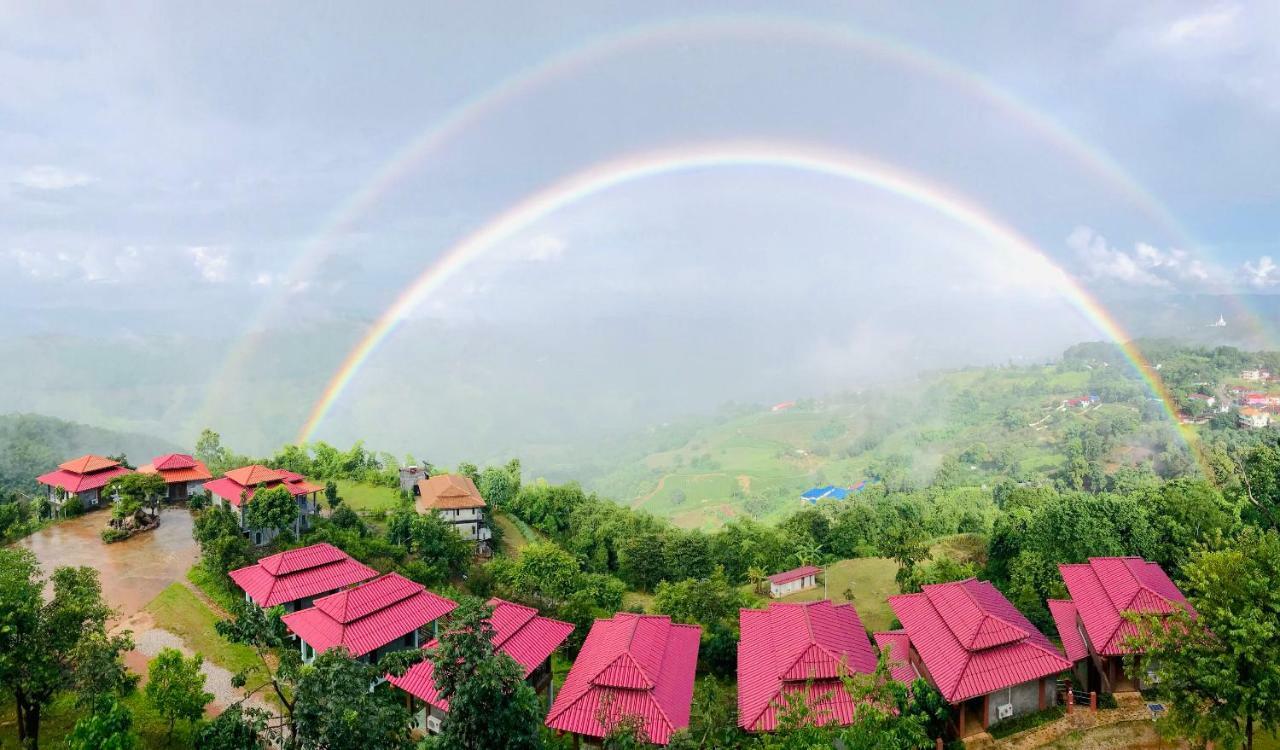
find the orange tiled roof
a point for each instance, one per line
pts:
(251, 476)
(88, 464)
(448, 492)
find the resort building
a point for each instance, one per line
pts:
(183, 475)
(988, 661)
(1092, 623)
(631, 665)
(81, 478)
(455, 499)
(389, 613)
(295, 578)
(897, 649)
(519, 632)
(794, 580)
(236, 488)
(799, 649)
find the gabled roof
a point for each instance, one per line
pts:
(448, 492)
(794, 574)
(799, 649)
(176, 467)
(1106, 587)
(88, 464)
(630, 665)
(1064, 617)
(300, 573)
(249, 479)
(254, 475)
(83, 474)
(897, 647)
(368, 616)
(519, 633)
(972, 640)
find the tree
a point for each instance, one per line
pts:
(237, 728)
(109, 729)
(905, 541)
(278, 658)
(1219, 672)
(39, 640)
(498, 487)
(175, 687)
(209, 451)
(335, 709)
(99, 676)
(713, 603)
(223, 547)
(272, 508)
(331, 496)
(135, 492)
(490, 704)
(438, 545)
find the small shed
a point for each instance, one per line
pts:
(791, 581)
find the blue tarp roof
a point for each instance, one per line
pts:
(831, 491)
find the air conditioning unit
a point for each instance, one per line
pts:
(433, 724)
(1005, 711)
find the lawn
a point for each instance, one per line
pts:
(870, 580)
(182, 613)
(515, 533)
(60, 716)
(368, 497)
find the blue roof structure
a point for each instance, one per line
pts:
(833, 492)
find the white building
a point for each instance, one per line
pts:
(455, 499)
(799, 579)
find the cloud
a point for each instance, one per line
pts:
(94, 265)
(543, 248)
(1145, 265)
(48, 177)
(1260, 274)
(212, 263)
(1202, 26)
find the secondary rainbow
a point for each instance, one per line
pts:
(719, 155)
(408, 161)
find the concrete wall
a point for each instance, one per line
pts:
(1025, 698)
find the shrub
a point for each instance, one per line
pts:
(113, 534)
(72, 508)
(1106, 700)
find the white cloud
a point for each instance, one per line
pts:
(212, 263)
(99, 264)
(1262, 273)
(1207, 25)
(48, 177)
(1145, 265)
(543, 248)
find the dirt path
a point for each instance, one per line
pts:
(1081, 723)
(151, 640)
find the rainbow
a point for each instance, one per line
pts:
(582, 185)
(462, 119)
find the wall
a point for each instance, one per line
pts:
(1025, 698)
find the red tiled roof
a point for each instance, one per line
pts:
(799, 648)
(897, 647)
(368, 616)
(1064, 617)
(519, 633)
(87, 464)
(248, 479)
(255, 474)
(177, 467)
(300, 573)
(77, 482)
(972, 640)
(630, 665)
(794, 574)
(1105, 587)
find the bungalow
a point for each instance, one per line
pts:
(455, 499)
(295, 578)
(988, 661)
(791, 581)
(1092, 623)
(1252, 418)
(238, 486)
(81, 478)
(183, 475)
(799, 649)
(519, 632)
(638, 666)
(386, 614)
(897, 649)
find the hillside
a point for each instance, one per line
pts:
(31, 444)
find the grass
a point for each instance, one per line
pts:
(220, 593)
(870, 579)
(1130, 735)
(1002, 729)
(60, 717)
(182, 613)
(515, 533)
(368, 497)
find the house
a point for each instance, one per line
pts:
(81, 478)
(1255, 375)
(519, 632)
(985, 658)
(235, 488)
(1252, 418)
(791, 581)
(409, 478)
(1209, 401)
(1092, 623)
(184, 475)
(455, 499)
(1256, 399)
(782, 406)
(799, 649)
(389, 613)
(897, 649)
(295, 578)
(829, 492)
(630, 666)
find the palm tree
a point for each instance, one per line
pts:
(756, 576)
(808, 553)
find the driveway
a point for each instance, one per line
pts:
(134, 571)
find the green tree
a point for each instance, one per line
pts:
(490, 704)
(175, 688)
(223, 547)
(99, 675)
(209, 451)
(331, 496)
(39, 639)
(108, 729)
(906, 542)
(135, 492)
(272, 508)
(439, 546)
(498, 487)
(237, 728)
(1219, 672)
(713, 603)
(278, 658)
(335, 709)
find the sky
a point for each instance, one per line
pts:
(224, 169)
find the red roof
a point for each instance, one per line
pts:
(897, 647)
(972, 640)
(248, 479)
(794, 574)
(255, 474)
(177, 467)
(299, 574)
(368, 616)
(631, 665)
(1064, 617)
(1105, 587)
(519, 633)
(799, 648)
(83, 474)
